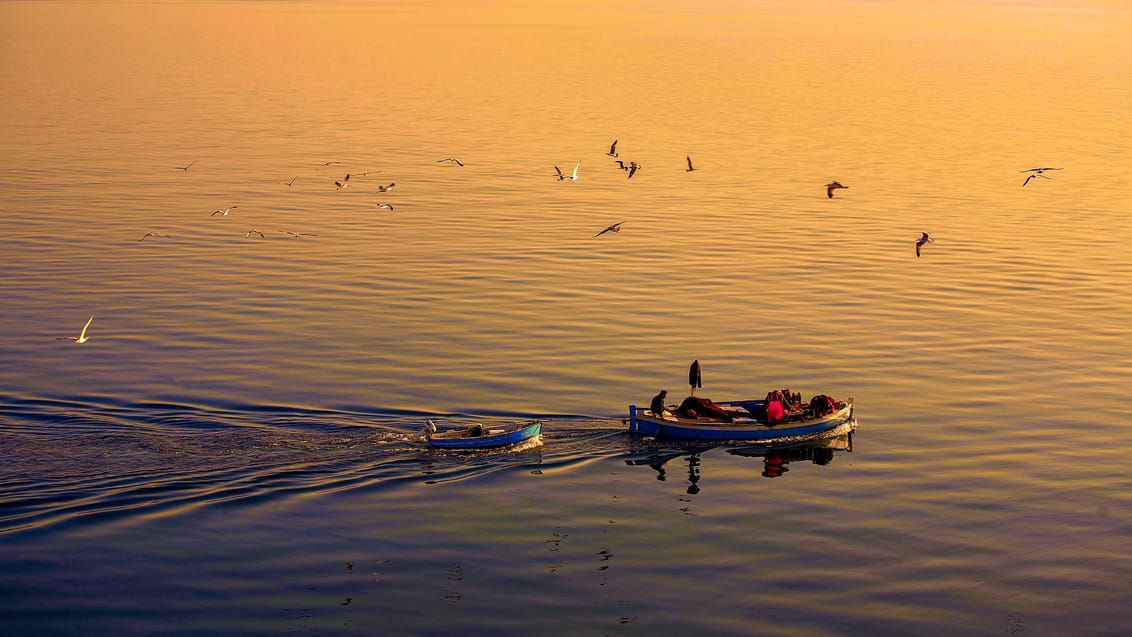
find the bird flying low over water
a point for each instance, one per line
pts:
(345, 182)
(831, 186)
(386, 206)
(633, 168)
(298, 234)
(612, 149)
(81, 338)
(386, 188)
(186, 168)
(153, 234)
(690, 167)
(613, 228)
(924, 238)
(224, 212)
(254, 231)
(1035, 172)
(621, 165)
(290, 183)
(453, 159)
(327, 163)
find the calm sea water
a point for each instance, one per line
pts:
(231, 451)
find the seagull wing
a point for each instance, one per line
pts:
(82, 334)
(689, 163)
(1028, 178)
(559, 171)
(575, 175)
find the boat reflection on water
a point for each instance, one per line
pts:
(775, 456)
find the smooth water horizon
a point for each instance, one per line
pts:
(232, 452)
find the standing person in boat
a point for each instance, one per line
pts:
(657, 406)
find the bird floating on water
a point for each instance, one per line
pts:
(613, 228)
(924, 238)
(690, 167)
(342, 184)
(613, 149)
(223, 212)
(831, 186)
(1035, 172)
(452, 159)
(186, 168)
(152, 234)
(81, 338)
(254, 231)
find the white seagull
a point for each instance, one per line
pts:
(345, 182)
(254, 231)
(387, 206)
(831, 186)
(633, 168)
(690, 167)
(613, 149)
(386, 188)
(924, 238)
(1035, 172)
(81, 338)
(614, 228)
(186, 168)
(223, 212)
(290, 183)
(299, 234)
(328, 163)
(153, 234)
(458, 162)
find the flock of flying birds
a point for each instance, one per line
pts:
(632, 168)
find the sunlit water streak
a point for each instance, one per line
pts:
(240, 426)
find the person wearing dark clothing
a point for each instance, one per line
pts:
(657, 406)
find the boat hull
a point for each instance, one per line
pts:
(492, 439)
(644, 422)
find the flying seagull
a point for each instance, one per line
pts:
(186, 168)
(1035, 172)
(223, 212)
(690, 167)
(613, 149)
(614, 228)
(290, 183)
(620, 164)
(299, 234)
(924, 238)
(81, 338)
(831, 186)
(345, 182)
(328, 163)
(633, 168)
(153, 234)
(387, 206)
(458, 162)
(254, 231)
(385, 188)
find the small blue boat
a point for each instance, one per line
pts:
(744, 420)
(479, 436)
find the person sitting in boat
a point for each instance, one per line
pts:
(778, 407)
(657, 406)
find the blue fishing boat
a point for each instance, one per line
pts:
(479, 436)
(741, 420)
